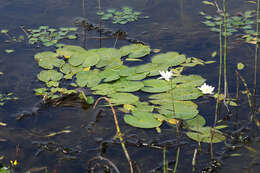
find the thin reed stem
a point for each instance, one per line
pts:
(177, 159)
(165, 164)
(100, 23)
(225, 54)
(219, 75)
(256, 55)
(83, 9)
(118, 131)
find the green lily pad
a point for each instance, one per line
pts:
(77, 59)
(183, 109)
(188, 81)
(153, 69)
(91, 59)
(103, 89)
(188, 93)
(195, 122)
(88, 78)
(68, 50)
(84, 58)
(204, 134)
(48, 60)
(135, 50)
(156, 86)
(123, 98)
(47, 75)
(169, 58)
(108, 57)
(142, 120)
(130, 73)
(111, 73)
(128, 86)
(138, 76)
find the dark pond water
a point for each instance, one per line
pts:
(172, 26)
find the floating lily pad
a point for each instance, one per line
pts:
(131, 74)
(142, 120)
(156, 86)
(153, 69)
(195, 122)
(138, 76)
(104, 89)
(108, 57)
(182, 109)
(204, 134)
(47, 75)
(187, 93)
(135, 50)
(88, 78)
(128, 86)
(123, 98)
(48, 60)
(68, 50)
(169, 58)
(111, 74)
(188, 81)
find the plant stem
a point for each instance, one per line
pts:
(83, 9)
(120, 136)
(173, 109)
(256, 56)
(225, 54)
(177, 159)
(219, 75)
(164, 160)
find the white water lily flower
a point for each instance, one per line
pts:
(206, 89)
(167, 75)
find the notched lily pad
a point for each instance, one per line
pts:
(123, 98)
(169, 58)
(88, 78)
(156, 86)
(48, 60)
(128, 86)
(49, 75)
(135, 50)
(142, 120)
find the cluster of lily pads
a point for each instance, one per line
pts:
(123, 16)
(242, 22)
(104, 73)
(50, 36)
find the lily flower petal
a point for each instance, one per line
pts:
(207, 89)
(166, 75)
